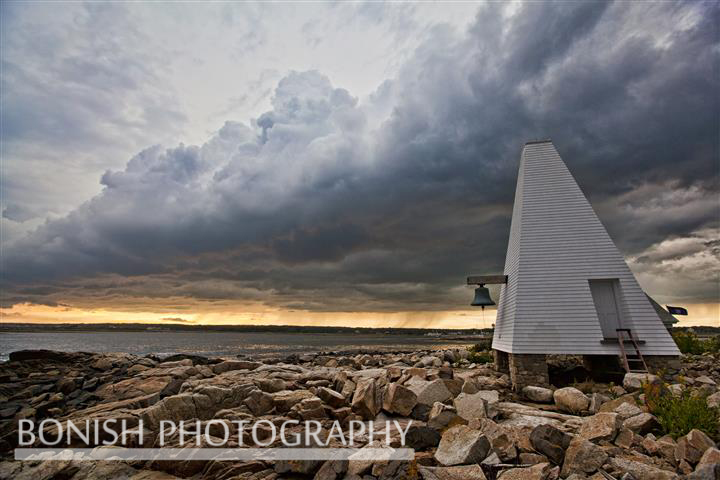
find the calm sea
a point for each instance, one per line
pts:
(216, 343)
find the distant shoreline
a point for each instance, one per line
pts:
(184, 328)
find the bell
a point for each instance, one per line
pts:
(482, 298)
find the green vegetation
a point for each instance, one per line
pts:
(480, 353)
(688, 342)
(679, 414)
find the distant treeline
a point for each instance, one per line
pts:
(701, 330)
(143, 327)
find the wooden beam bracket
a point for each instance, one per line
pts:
(486, 279)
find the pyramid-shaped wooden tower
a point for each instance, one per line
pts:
(568, 290)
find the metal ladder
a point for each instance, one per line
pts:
(636, 360)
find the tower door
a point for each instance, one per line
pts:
(606, 305)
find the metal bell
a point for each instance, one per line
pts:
(482, 298)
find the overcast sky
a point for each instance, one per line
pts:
(300, 162)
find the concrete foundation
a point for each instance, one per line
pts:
(528, 369)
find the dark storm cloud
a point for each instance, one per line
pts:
(329, 203)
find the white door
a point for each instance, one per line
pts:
(606, 305)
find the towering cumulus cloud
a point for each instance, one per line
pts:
(329, 202)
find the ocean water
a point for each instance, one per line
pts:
(221, 344)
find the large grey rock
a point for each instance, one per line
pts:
(627, 410)
(504, 447)
(570, 399)
(692, 446)
(634, 381)
(364, 402)
(332, 470)
(399, 399)
(471, 405)
(462, 445)
(536, 472)
(465, 472)
(429, 392)
(331, 397)
(228, 365)
(611, 405)
(420, 437)
(641, 424)
(704, 379)
(442, 416)
(596, 401)
(259, 402)
(710, 457)
(582, 457)
(601, 426)
(286, 399)
(538, 394)
(551, 442)
(705, 472)
(640, 470)
(271, 385)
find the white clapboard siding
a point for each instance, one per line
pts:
(557, 244)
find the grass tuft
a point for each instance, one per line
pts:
(678, 415)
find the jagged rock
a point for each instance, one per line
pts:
(284, 400)
(714, 400)
(66, 385)
(133, 387)
(471, 406)
(309, 409)
(551, 442)
(527, 458)
(46, 355)
(705, 380)
(461, 445)
(570, 399)
(640, 470)
(429, 392)
(364, 401)
(420, 437)
(399, 399)
(596, 401)
(454, 385)
(634, 381)
(469, 386)
(611, 405)
(538, 394)
(582, 457)
(692, 446)
(601, 426)
(504, 447)
(421, 412)
(627, 410)
(332, 470)
(666, 446)
(229, 365)
(466, 472)
(271, 385)
(711, 456)
(705, 472)
(442, 416)
(331, 397)
(642, 424)
(536, 472)
(649, 443)
(259, 402)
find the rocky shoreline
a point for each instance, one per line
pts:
(462, 419)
